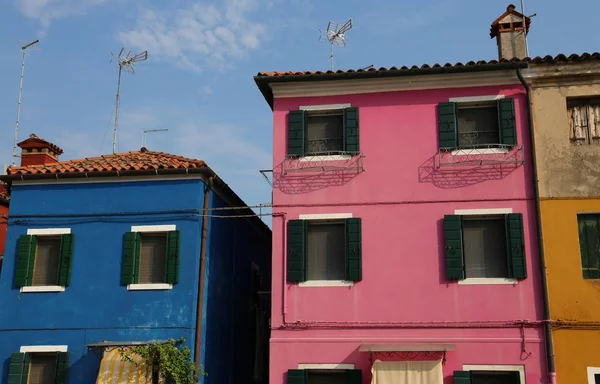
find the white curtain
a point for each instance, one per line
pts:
(407, 372)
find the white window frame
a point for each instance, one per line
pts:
(325, 283)
(485, 280)
(325, 108)
(43, 348)
(151, 229)
(591, 372)
(45, 232)
(481, 367)
(332, 367)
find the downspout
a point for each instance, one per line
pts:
(200, 301)
(538, 212)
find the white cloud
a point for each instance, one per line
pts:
(200, 35)
(45, 11)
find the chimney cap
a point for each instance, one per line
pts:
(510, 10)
(34, 141)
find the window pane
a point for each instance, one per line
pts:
(589, 245)
(477, 126)
(323, 377)
(597, 378)
(325, 134)
(485, 248)
(46, 261)
(153, 258)
(326, 251)
(42, 369)
(495, 378)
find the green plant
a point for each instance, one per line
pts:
(170, 360)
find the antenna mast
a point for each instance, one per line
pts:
(335, 34)
(23, 49)
(145, 131)
(127, 63)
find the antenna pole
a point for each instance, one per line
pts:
(331, 56)
(524, 27)
(23, 49)
(114, 146)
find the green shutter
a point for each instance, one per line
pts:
(507, 123)
(351, 130)
(62, 368)
(172, 259)
(515, 245)
(353, 249)
(66, 260)
(296, 376)
(589, 245)
(353, 376)
(296, 251)
(447, 126)
(462, 377)
(25, 261)
(455, 265)
(130, 266)
(18, 368)
(297, 126)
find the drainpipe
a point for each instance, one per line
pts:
(200, 301)
(538, 212)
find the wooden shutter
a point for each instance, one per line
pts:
(297, 127)
(25, 261)
(172, 261)
(453, 236)
(507, 123)
(351, 130)
(131, 258)
(296, 251)
(62, 368)
(353, 249)
(589, 245)
(462, 377)
(353, 376)
(515, 245)
(296, 376)
(18, 368)
(447, 127)
(66, 260)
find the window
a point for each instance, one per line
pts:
(477, 125)
(487, 377)
(38, 368)
(484, 246)
(584, 120)
(150, 257)
(593, 374)
(324, 250)
(589, 244)
(324, 376)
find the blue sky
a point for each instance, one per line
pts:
(197, 81)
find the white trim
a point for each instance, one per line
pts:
(42, 288)
(326, 283)
(325, 158)
(326, 107)
(120, 179)
(49, 231)
(325, 216)
(43, 348)
(483, 211)
(475, 99)
(488, 281)
(326, 366)
(482, 151)
(591, 372)
(153, 228)
(149, 287)
(478, 367)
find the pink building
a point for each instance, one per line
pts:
(404, 239)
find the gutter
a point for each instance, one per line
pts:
(538, 211)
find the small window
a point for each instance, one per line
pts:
(484, 240)
(150, 258)
(47, 258)
(477, 125)
(495, 377)
(325, 133)
(326, 250)
(589, 244)
(42, 369)
(153, 258)
(44, 261)
(584, 120)
(326, 376)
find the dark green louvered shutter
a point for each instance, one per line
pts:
(130, 266)
(462, 377)
(297, 126)
(351, 130)
(66, 260)
(296, 376)
(172, 259)
(296, 251)
(447, 126)
(589, 245)
(62, 368)
(507, 123)
(353, 249)
(18, 368)
(353, 376)
(515, 245)
(25, 260)
(455, 265)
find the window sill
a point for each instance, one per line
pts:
(488, 281)
(326, 283)
(324, 158)
(42, 288)
(480, 151)
(149, 287)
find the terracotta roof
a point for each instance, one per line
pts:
(35, 141)
(510, 10)
(4, 197)
(142, 160)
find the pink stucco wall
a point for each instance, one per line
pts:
(402, 198)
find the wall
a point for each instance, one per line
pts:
(3, 225)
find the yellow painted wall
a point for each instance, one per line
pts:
(575, 351)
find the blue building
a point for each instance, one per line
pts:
(124, 249)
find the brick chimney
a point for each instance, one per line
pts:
(510, 30)
(37, 151)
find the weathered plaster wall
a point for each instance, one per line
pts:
(576, 350)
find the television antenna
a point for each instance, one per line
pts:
(127, 63)
(525, 27)
(145, 131)
(23, 49)
(335, 35)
